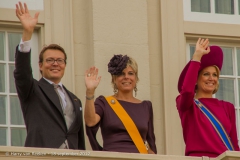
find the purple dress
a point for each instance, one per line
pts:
(115, 137)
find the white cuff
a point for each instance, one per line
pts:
(24, 46)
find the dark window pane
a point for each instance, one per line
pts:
(18, 136)
(224, 6)
(16, 113)
(2, 110)
(2, 46)
(239, 90)
(200, 6)
(13, 41)
(239, 7)
(2, 77)
(3, 137)
(11, 79)
(238, 61)
(227, 68)
(226, 90)
(192, 50)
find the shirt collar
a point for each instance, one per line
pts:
(51, 82)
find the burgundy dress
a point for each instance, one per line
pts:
(199, 135)
(115, 137)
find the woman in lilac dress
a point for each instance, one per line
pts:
(124, 72)
(197, 84)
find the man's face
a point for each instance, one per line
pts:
(52, 71)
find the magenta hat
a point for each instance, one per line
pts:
(214, 57)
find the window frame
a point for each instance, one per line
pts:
(235, 75)
(212, 17)
(36, 74)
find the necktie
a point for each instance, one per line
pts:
(56, 86)
(61, 99)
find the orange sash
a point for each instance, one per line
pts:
(128, 124)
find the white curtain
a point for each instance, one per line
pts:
(18, 136)
(15, 111)
(13, 41)
(192, 50)
(12, 88)
(2, 46)
(239, 7)
(226, 90)
(227, 68)
(238, 61)
(2, 110)
(3, 137)
(224, 6)
(226, 86)
(200, 6)
(2, 77)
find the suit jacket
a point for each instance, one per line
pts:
(42, 110)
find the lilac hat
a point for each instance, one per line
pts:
(214, 57)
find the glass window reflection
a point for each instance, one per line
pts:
(226, 90)
(2, 110)
(16, 113)
(224, 6)
(227, 68)
(18, 136)
(12, 88)
(13, 41)
(3, 137)
(2, 46)
(2, 77)
(200, 6)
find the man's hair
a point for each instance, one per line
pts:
(54, 47)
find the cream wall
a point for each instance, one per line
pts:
(92, 31)
(173, 45)
(151, 31)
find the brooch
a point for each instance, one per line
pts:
(112, 101)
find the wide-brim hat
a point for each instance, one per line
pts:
(214, 57)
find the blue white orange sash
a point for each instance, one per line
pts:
(216, 125)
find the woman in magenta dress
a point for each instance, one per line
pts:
(197, 84)
(124, 72)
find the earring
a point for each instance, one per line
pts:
(115, 90)
(135, 90)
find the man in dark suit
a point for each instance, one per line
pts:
(52, 114)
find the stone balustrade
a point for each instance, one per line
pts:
(26, 153)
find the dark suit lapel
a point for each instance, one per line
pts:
(48, 89)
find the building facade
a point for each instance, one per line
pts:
(159, 34)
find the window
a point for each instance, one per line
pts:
(229, 81)
(239, 7)
(213, 11)
(200, 6)
(12, 127)
(224, 6)
(221, 6)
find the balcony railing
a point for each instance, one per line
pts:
(26, 153)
